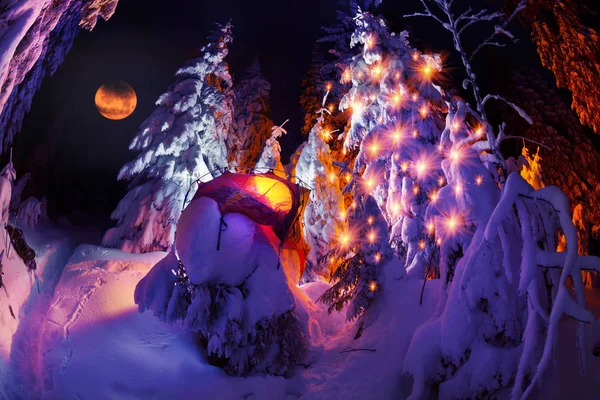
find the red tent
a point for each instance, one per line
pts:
(265, 198)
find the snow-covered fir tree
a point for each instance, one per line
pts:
(496, 322)
(324, 212)
(252, 118)
(183, 141)
(270, 157)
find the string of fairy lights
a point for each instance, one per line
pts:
(420, 168)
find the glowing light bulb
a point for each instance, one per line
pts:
(331, 260)
(454, 155)
(433, 196)
(370, 220)
(415, 55)
(415, 97)
(369, 42)
(427, 71)
(377, 257)
(371, 237)
(452, 223)
(397, 75)
(330, 108)
(370, 183)
(328, 86)
(438, 241)
(422, 245)
(455, 126)
(377, 70)
(479, 131)
(416, 189)
(373, 285)
(430, 227)
(441, 181)
(396, 156)
(421, 167)
(353, 205)
(332, 177)
(348, 177)
(404, 166)
(423, 111)
(374, 149)
(346, 75)
(415, 133)
(343, 214)
(458, 188)
(397, 135)
(478, 180)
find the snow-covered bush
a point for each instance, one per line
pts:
(241, 303)
(181, 142)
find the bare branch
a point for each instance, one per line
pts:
(518, 109)
(478, 17)
(427, 14)
(500, 29)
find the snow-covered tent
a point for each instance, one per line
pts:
(266, 199)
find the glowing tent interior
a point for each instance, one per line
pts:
(265, 198)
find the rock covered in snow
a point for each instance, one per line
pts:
(35, 37)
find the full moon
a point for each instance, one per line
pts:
(115, 100)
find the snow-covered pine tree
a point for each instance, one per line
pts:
(322, 216)
(396, 129)
(329, 55)
(270, 158)
(252, 118)
(497, 318)
(182, 141)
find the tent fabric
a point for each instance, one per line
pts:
(265, 198)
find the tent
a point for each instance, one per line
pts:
(266, 199)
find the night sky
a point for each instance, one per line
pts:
(78, 152)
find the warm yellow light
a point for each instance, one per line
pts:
(330, 108)
(479, 131)
(415, 133)
(478, 180)
(359, 75)
(430, 227)
(458, 188)
(441, 181)
(369, 42)
(415, 97)
(416, 189)
(371, 237)
(438, 241)
(328, 86)
(404, 166)
(377, 259)
(396, 98)
(415, 55)
(421, 167)
(397, 75)
(397, 135)
(373, 285)
(370, 220)
(396, 156)
(376, 71)
(343, 214)
(331, 260)
(422, 244)
(454, 155)
(344, 151)
(433, 196)
(423, 111)
(370, 183)
(452, 223)
(455, 126)
(346, 76)
(348, 177)
(353, 205)
(345, 239)
(332, 177)
(374, 149)
(427, 71)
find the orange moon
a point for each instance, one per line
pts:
(115, 100)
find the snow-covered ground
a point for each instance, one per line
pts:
(83, 338)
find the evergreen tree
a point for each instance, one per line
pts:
(183, 141)
(270, 158)
(323, 214)
(252, 118)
